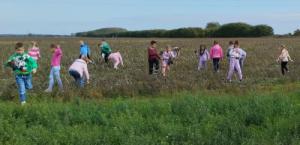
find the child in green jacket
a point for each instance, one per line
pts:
(23, 65)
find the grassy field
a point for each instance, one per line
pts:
(261, 68)
(128, 106)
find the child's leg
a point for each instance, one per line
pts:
(21, 87)
(215, 64)
(203, 65)
(231, 69)
(238, 69)
(28, 82)
(150, 66)
(218, 64)
(156, 62)
(116, 64)
(199, 64)
(163, 69)
(51, 79)
(283, 68)
(57, 76)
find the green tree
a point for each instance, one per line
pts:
(297, 32)
(262, 30)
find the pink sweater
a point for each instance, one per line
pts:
(81, 67)
(216, 51)
(56, 57)
(116, 58)
(34, 52)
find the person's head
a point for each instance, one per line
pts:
(282, 46)
(231, 43)
(81, 42)
(202, 48)
(86, 59)
(168, 48)
(19, 48)
(53, 47)
(34, 44)
(153, 43)
(216, 42)
(236, 44)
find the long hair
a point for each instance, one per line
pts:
(202, 49)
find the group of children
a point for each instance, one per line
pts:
(236, 57)
(24, 64)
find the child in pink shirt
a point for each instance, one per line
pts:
(55, 68)
(34, 51)
(116, 58)
(216, 53)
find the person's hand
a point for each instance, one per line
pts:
(34, 71)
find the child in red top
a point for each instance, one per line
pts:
(153, 58)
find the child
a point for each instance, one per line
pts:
(23, 65)
(230, 47)
(55, 68)
(34, 51)
(84, 50)
(153, 58)
(284, 58)
(79, 71)
(116, 58)
(216, 53)
(235, 55)
(166, 60)
(105, 50)
(203, 56)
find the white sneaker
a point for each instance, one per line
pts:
(23, 103)
(48, 91)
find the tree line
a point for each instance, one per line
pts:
(213, 29)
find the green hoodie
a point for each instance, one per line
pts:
(22, 64)
(105, 48)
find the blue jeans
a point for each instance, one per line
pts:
(24, 82)
(78, 79)
(55, 73)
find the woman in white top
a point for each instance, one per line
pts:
(284, 58)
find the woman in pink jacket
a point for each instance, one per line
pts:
(79, 71)
(216, 54)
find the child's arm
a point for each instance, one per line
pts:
(289, 57)
(33, 64)
(86, 73)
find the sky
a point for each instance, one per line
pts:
(71, 16)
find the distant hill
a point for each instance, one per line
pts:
(101, 32)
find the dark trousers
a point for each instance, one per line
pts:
(216, 64)
(78, 79)
(106, 55)
(284, 68)
(153, 63)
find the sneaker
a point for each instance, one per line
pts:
(23, 103)
(48, 91)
